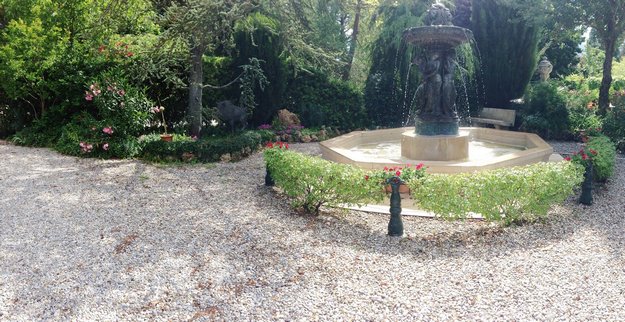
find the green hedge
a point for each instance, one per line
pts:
(603, 163)
(312, 182)
(206, 149)
(508, 195)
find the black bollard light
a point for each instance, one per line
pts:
(395, 225)
(586, 196)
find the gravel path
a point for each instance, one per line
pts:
(84, 239)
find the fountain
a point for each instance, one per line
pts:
(437, 140)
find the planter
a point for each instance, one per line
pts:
(402, 188)
(167, 137)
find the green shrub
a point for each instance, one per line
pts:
(614, 126)
(312, 182)
(207, 149)
(508, 195)
(320, 100)
(545, 111)
(604, 160)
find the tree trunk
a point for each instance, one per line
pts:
(354, 41)
(606, 81)
(194, 108)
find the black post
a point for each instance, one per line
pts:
(268, 179)
(395, 225)
(586, 196)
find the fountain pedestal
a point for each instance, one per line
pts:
(435, 148)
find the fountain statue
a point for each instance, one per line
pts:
(438, 39)
(436, 134)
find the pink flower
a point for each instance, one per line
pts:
(105, 147)
(419, 166)
(121, 92)
(95, 90)
(194, 138)
(567, 158)
(398, 173)
(107, 130)
(88, 96)
(85, 147)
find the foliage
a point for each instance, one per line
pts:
(312, 182)
(545, 111)
(320, 100)
(115, 115)
(508, 194)
(202, 26)
(206, 149)
(260, 38)
(508, 43)
(29, 52)
(406, 173)
(603, 156)
(606, 19)
(388, 96)
(614, 125)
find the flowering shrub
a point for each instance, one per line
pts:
(603, 156)
(160, 109)
(115, 114)
(406, 173)
(508, 194)
(312, 182)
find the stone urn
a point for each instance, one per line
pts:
(544, 69)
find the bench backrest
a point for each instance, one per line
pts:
(498, 114)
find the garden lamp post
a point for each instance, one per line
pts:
(395, 225)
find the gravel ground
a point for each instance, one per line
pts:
(84, 239)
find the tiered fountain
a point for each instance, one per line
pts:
(437, 140)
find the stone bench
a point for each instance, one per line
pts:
(500, 118)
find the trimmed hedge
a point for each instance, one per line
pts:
(312, 182)
(508, 194)
(209, 149)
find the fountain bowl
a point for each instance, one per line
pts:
(489, 149)
(438, 36)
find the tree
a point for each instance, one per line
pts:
(607, 18)
(508, 42)
(203, 25)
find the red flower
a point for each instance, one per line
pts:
(398, 173)
(366, 177)
(385, 168)
(101, 48)
(129, 54)
(286, 146)
(584, 156)
(419, 166)
(269, 145)
(593, 152)
(567, 158)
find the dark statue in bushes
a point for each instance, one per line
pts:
(232, 114)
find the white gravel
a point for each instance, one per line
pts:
(84, 239)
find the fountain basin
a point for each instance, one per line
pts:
(441, 36)
(488, 149)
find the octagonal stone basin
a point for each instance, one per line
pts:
(488, 149)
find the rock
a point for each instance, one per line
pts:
(314, 138)
(322, 134)
(188, 157)
(306, 139)
(225, 157)
(287, 118)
